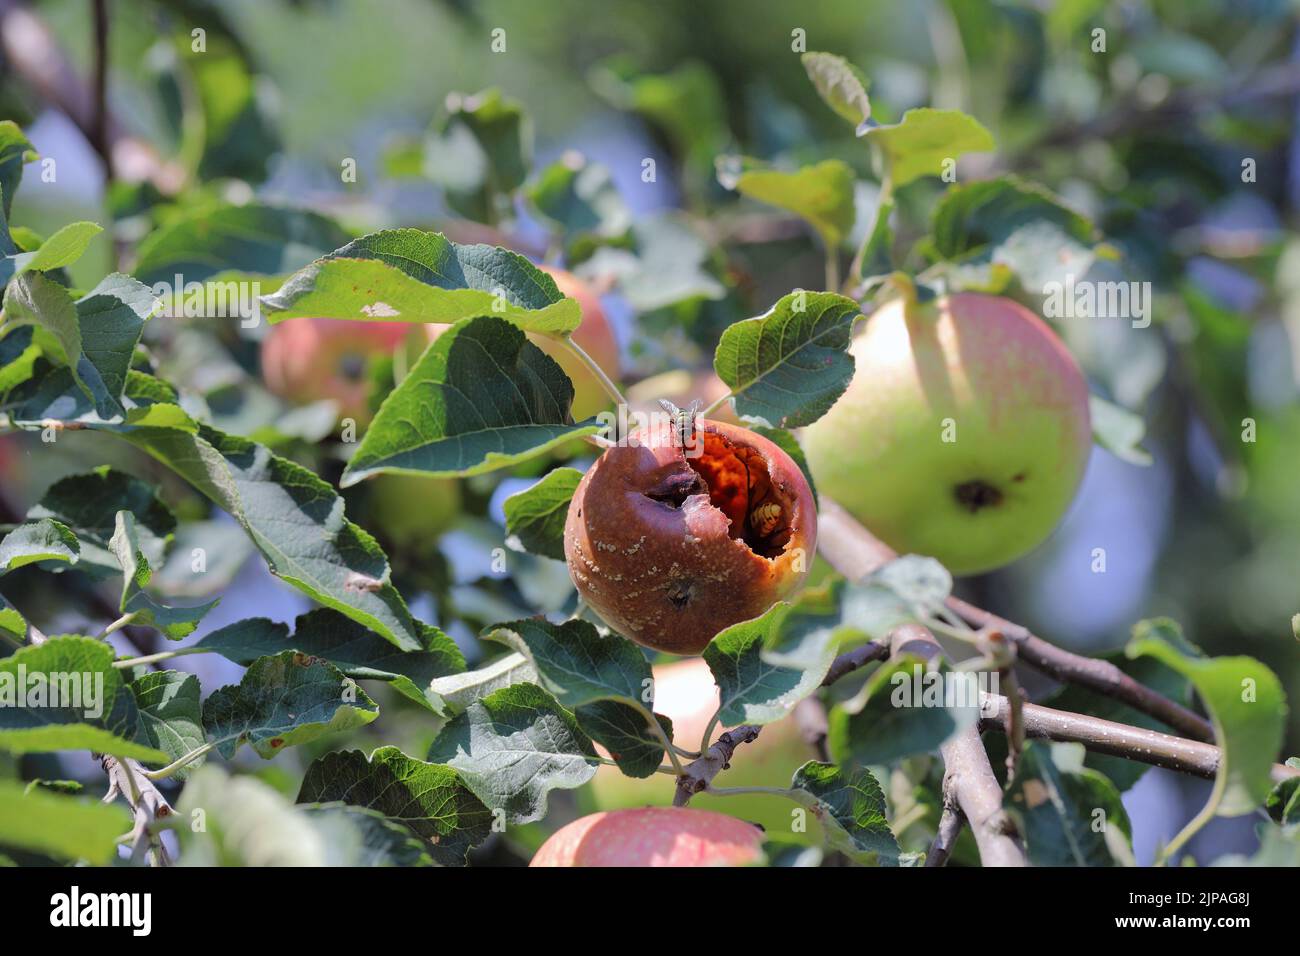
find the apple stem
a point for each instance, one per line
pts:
(605, 381)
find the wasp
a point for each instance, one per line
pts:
(765, 518)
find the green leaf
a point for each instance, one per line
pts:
(575, 662)
(482, 150)
(284, 700)
(755, 687)
(65, 694)
(97, 333)
(515, 746)
(480, 398)
(297, 522)
(923, 583)
(785, 440)
(67, 828)
(431, 800)
(173, 622)
(1118, 430)
(1068, 815)
(840, 85)
(355, 650)
(821, 194)
(904, 709)
(623, 731)
(452, 694)
(918, 145)
(983, 215)
(851, 809)
(15, 152)
(247, 823)
(12, 624)
(875, 260)
(1283, 803)
(18, 355)
(171, 715)
(89, 503)
(580, 198)
(61, 249)
(42, 540)
(536, 515)
(1246, 704)
(253, 239)
(412, 276)
(786, 368)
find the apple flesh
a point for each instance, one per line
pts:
(654, 836)
(311, 359)
(964, 434)
(671, 548)
(684, 692)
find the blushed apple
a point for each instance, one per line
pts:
(654, 837)
(964, 434)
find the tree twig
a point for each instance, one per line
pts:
(855, 552)
(698, 774)
(127, 778)
(951, 822)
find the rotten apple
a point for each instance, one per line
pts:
(685, 530)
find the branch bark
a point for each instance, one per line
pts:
(699, 773)
(855, 552)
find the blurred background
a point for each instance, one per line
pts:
(1177, 137)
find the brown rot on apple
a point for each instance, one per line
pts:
(653, 836)
(672, 541)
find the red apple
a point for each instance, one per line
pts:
(654, 836)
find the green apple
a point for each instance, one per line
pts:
(411, 511)
(685, 693)
(654, 837)
(963, 435)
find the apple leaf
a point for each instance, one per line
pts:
(536, 515)
(851, 810)
(15, 152)
(283, 700)
(452, 694)
(1118, 430)
(875, 260)
(61, 249)
(66, 828)
(251, 824)
(408, 275)
(1245, 702)
(171, 715)
(580, 198)
(1067, 814)
(923, 583)
(12, 624)
(982, 215)
(755, 687)
(480, 151)
(623, 731)
(253, 239)
(821, 194)
(93, 710)
(513, 747)
(351, 647)
(88, 503)
(42, 540)
(786, 368)
(841, 86)
(576, 663)
(97, 333)
(1283, 803)
(431, 800)
(884, 722)
(919, 144)
(480, 398)
(18, 355)
(173, 622)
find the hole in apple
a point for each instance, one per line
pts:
(741, 487)
(977, 495)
